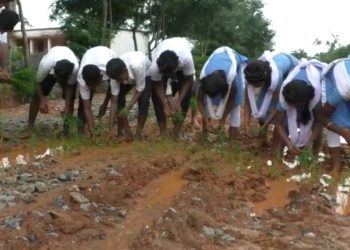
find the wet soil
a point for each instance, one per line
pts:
(158, 194)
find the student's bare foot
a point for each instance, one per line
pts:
(5, 137)
(124, 139)
(138, 137)
(63, 133)
(25, 134)
(328, 167)
(262, 142)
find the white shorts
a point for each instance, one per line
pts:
(235, 117)
(333, 139)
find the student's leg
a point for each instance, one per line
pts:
(262, 134)
(333, 141)
(81, 113)
(103, 107)
(316, 148)
(46, 87)
(235, 120)
(143, 105)
(185, 104)
(122, 122)
(277, 143)
(68, 91)
(160, 115)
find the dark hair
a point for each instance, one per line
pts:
(63, 68)
(167, 62)
(8, 20)
(257, 72)
(215, 84)
(91, 73)
(299, 92)
(115, 67)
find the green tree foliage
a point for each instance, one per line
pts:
(331, 55)
(300, 53)
(335, 50)
(239, 24)
(23, 82)
(83, 21)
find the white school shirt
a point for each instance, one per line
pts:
(137, 64)
(49, 61)
(3, 36)
(182, 49)
(98, 56)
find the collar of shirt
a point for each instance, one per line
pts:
(130, 72)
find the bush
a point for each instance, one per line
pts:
(23, 81)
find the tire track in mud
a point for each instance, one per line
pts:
(152, 200)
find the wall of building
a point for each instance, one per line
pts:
(123, 42)
(41, 40)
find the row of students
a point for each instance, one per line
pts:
(171, 59)
(289, 90)
(299, 97)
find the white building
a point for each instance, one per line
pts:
(123, 42)
(42, 39)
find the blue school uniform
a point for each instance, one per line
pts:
(341, 115)
(285, 64)
(221, 61)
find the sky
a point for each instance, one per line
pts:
(297, 23)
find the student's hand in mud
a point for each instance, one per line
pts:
(102, 111)
(44, 107)
(93, 137)
(221, 125)
(264, 127)
(293, 149)
(167, 111)
(309, 145)
(177, 106)
(128, 108)
(123, 113)
(111, 136)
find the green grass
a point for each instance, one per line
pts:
(123, 113)
(24, 82)
(179, 117)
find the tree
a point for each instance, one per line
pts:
(335, 50)
(24, 35)
(104, 20)
(333, 54)
(300, 53)
(239, 24)
(85, 22)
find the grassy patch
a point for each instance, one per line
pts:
(24, 82)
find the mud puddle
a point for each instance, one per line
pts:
(277, 197)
